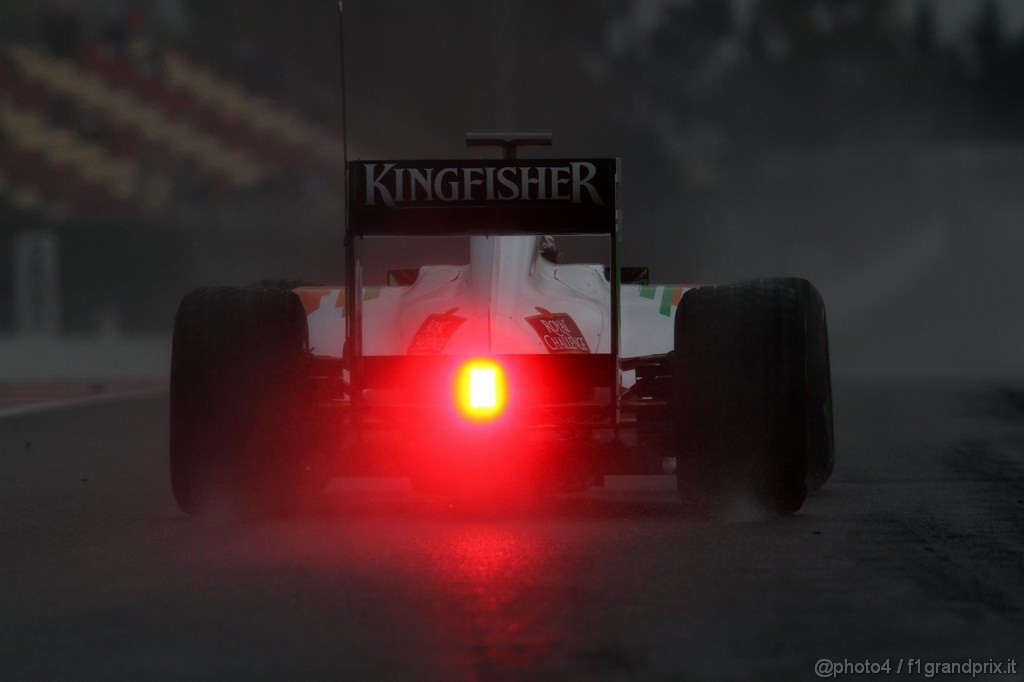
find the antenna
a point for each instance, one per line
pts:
(352, 350)
(344, 98)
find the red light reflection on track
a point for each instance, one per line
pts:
(466, 598)
(492, 581)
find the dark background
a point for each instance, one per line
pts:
(874, 147)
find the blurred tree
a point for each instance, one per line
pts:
(996, 75)
(987, 38)
(817, 73)
(923, 28)
(671, 80)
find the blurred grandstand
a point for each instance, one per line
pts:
(144, 161)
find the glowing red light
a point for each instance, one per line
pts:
(480, 391)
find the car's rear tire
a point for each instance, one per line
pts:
(239, 427)
(818, 400)
(753, 392)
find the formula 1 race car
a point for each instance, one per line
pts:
(517, 354)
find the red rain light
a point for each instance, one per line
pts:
(480, 391)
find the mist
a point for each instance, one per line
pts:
(873, 148)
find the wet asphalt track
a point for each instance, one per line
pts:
(914, 550)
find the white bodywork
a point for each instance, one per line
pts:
(485, 308)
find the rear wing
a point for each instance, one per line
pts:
(483, 197)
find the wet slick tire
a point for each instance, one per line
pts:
(238, 438)
(752, 389)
